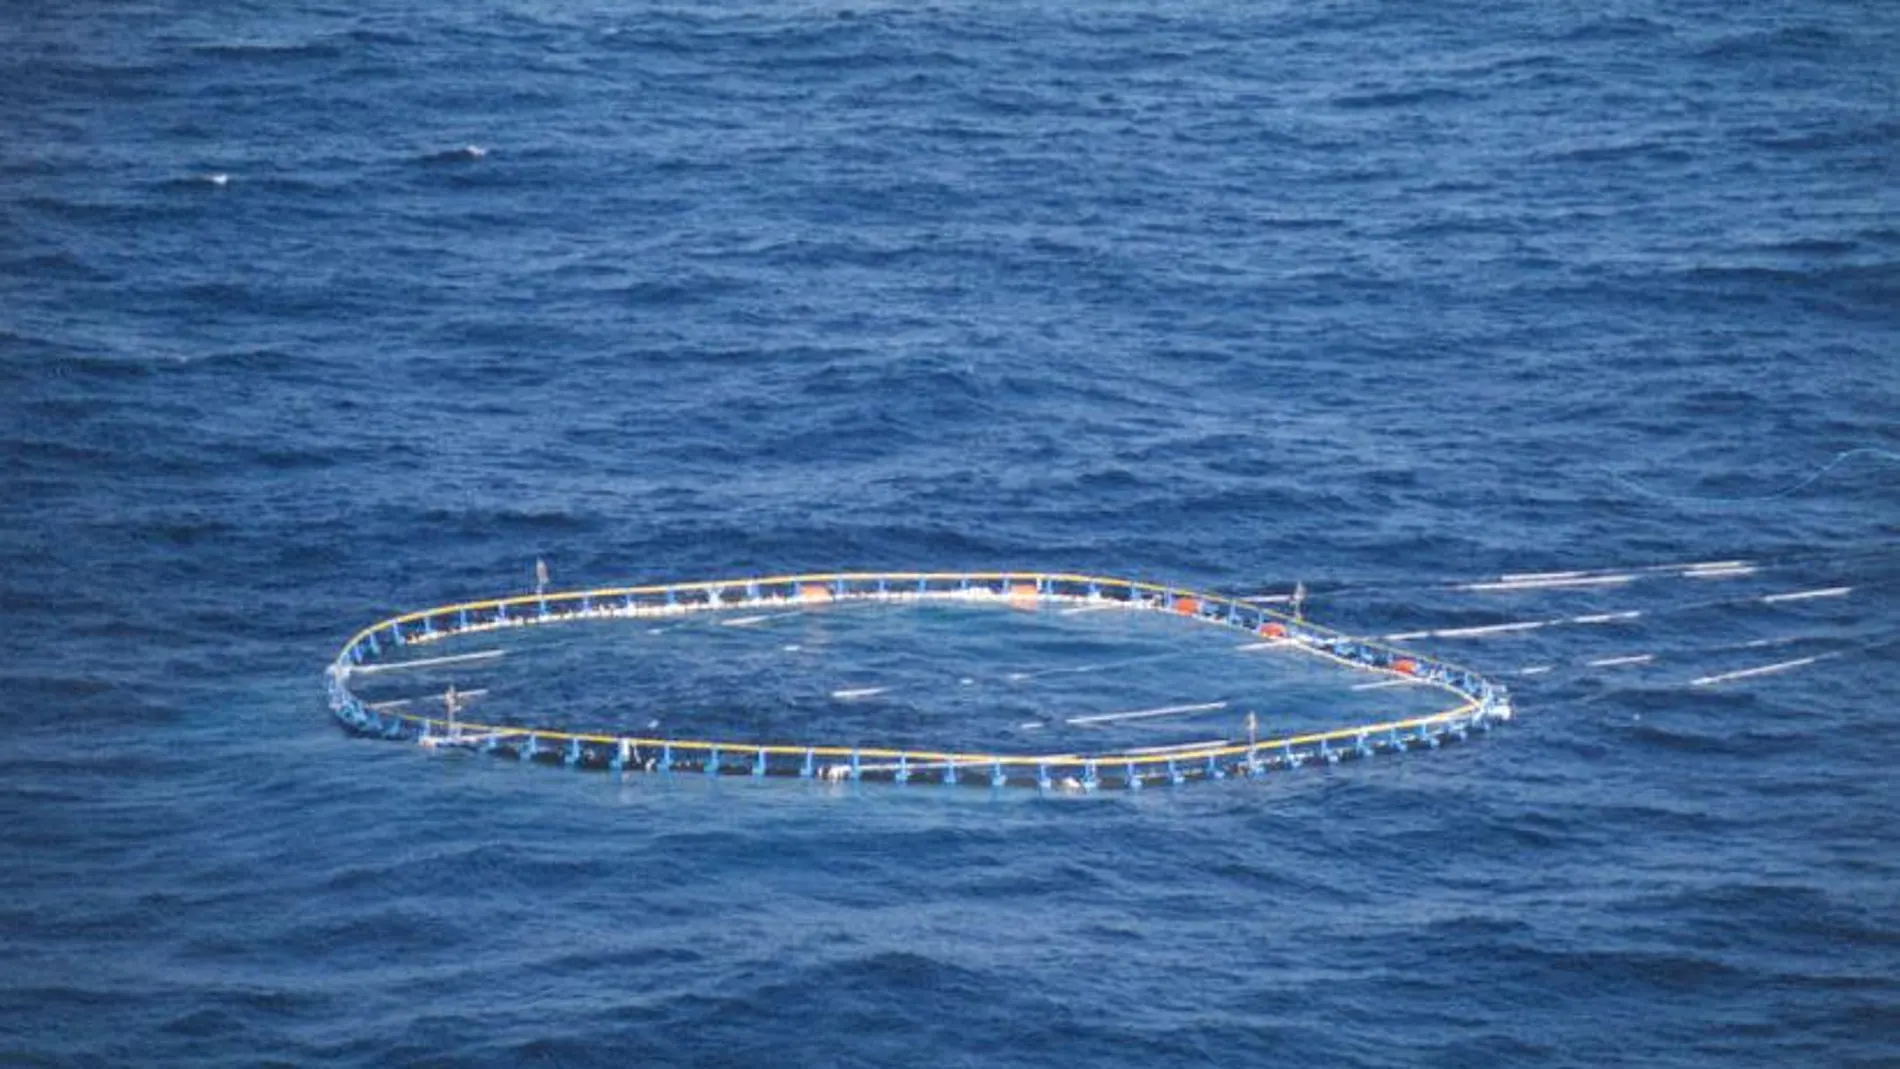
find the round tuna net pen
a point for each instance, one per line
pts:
(1065, 682)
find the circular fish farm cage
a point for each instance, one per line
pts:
(995, 679)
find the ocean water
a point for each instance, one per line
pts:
(315, 312)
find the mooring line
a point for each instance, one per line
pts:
(1798, 485)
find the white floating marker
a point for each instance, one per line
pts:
(1473, 632)
(1803, 595)
(1613, 662)
(1605, 617)
(1550, 581)
(1723, 571)
(399, 703)
(749, 621)
(1145, 714)
(1749, 673)
(1384, 684)
(1179, 747)
(426, 662)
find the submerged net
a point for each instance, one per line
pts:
(1054, 681)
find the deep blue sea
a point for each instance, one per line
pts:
(317, 311)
